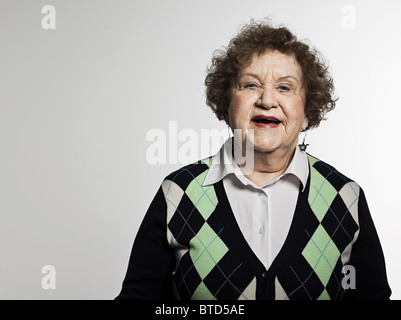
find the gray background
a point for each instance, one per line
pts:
(77, 102)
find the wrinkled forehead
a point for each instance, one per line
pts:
(273, 65)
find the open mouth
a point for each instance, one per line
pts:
(263, 121)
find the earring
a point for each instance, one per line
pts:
(303, 146)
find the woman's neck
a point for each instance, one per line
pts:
(269, 165)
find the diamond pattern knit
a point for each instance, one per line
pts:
(204, 262)
(209, 264)
(338, 225)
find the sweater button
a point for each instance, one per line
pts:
(264, 274)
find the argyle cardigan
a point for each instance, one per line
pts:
(189, 245)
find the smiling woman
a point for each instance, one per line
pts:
(256, 39)
(288, 228)
(270, 100)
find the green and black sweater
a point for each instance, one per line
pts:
(189, 245)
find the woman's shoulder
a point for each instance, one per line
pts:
(194, 171)
(325, 175)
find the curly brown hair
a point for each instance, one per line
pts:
(257, 38)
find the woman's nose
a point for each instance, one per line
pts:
(267, 98)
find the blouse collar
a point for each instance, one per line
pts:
(223, 164)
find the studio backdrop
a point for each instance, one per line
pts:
(100, 100)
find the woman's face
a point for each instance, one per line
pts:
(269, 99)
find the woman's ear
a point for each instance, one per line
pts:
(305, 124)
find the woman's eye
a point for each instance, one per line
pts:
(250, 85)
(284, 88)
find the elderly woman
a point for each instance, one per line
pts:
(290, 226)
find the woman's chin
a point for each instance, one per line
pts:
(260, 143)
(265, 145)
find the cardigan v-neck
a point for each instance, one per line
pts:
(263, 214)
(265, 278)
